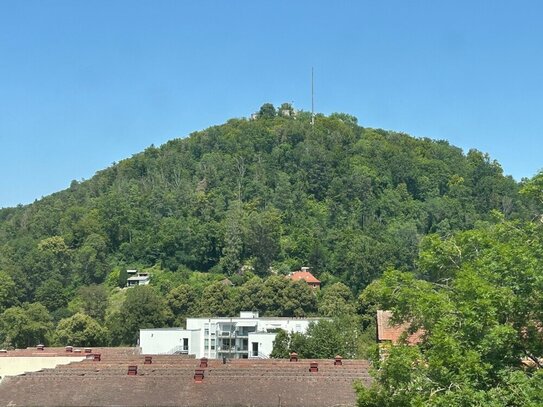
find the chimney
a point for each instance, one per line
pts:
(338, 361)
(40, 347)
(305, 269)
(313, 367)
(148, 360)
(97, 357)
(199, 375)
(132, 370)
(69, 349)
(88, 350)
(293, 357)
(203, 363)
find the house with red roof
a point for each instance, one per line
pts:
(305, 275)
(389, 334)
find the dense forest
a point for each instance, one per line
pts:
(249, 200)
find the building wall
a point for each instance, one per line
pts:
(12, 366)
(157, 341)
(206, 335)
(265, 344)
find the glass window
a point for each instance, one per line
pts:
(212, 344)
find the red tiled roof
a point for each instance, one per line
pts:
(388, 332)
(303, 275)
(169, 381)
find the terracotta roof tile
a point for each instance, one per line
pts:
(303, 275)
(169, 381)
(388, 332)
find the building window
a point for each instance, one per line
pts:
(206, 332)
(212, 344)
(186, 344)
(206, 343)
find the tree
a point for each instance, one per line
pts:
(8, 292)
(142, 308)
(328, 338)
(25, 326)
(182, 301)
(481, 319)
(92, 300)
(335, 300)
(281, 345)
(216, 300)
(80, 330)
(267, 111)
(263, 238)
(51, 294)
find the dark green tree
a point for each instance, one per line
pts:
(80, 330)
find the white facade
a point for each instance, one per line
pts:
(246, 336)
(139, 279)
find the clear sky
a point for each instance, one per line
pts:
(84, 84)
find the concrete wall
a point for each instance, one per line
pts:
(265, 344)
(12, 366)
(164, 341)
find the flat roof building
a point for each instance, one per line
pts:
(245, 337)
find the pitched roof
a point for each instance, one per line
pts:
(304, 275)
(169, 381)
(386, 331)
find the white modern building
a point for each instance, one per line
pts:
(137, 278)
(246, 336)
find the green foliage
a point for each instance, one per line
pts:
(182, 302)
(336, 299)
(91, 300)
(8, 293)
(323, 340)
(263, 196)
(142, 308)
(267, 111)
(281, 345)
(481, 316)
(51, 294)
(25, 326)
(80, 330)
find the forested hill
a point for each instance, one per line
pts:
(274, 193)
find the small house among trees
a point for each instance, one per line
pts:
(305, 275)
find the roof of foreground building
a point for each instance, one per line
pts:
(169, 380)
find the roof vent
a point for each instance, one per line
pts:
(3, 351)
(199, 375)
(40, 347)
(293, 357)
(88, 350)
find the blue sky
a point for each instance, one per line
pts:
(87, 83)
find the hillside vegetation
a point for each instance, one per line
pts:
(250, 200)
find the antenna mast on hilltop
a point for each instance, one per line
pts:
(312, 99)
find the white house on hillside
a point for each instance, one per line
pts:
(246, 336)
(137, 278)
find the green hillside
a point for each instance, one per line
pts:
(250, 198)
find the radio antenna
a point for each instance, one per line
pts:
(312, 99)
